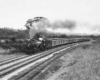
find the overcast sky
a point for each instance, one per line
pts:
(14, 13)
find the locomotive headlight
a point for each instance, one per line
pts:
(41, 39)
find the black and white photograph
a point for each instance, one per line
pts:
(49, 39)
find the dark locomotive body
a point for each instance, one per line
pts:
(36, 45)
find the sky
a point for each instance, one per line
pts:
(15, 13)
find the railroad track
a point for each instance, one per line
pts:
(11, 66)
(29, 67)
(24, 57)
(13, 58)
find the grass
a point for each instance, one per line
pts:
(82, 63)
(83, 69)
(7, 52)
(50, 70)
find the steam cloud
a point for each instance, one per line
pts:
(38, 24)
(64, 24)
(41, 24)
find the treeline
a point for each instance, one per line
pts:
(58, 35)
(24, 34)
(8, 32)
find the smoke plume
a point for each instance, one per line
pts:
(64, 24)
(38, 24)
(41, 24)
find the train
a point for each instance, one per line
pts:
(42, 44)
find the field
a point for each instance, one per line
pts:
(9, 53)
(82, 63)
